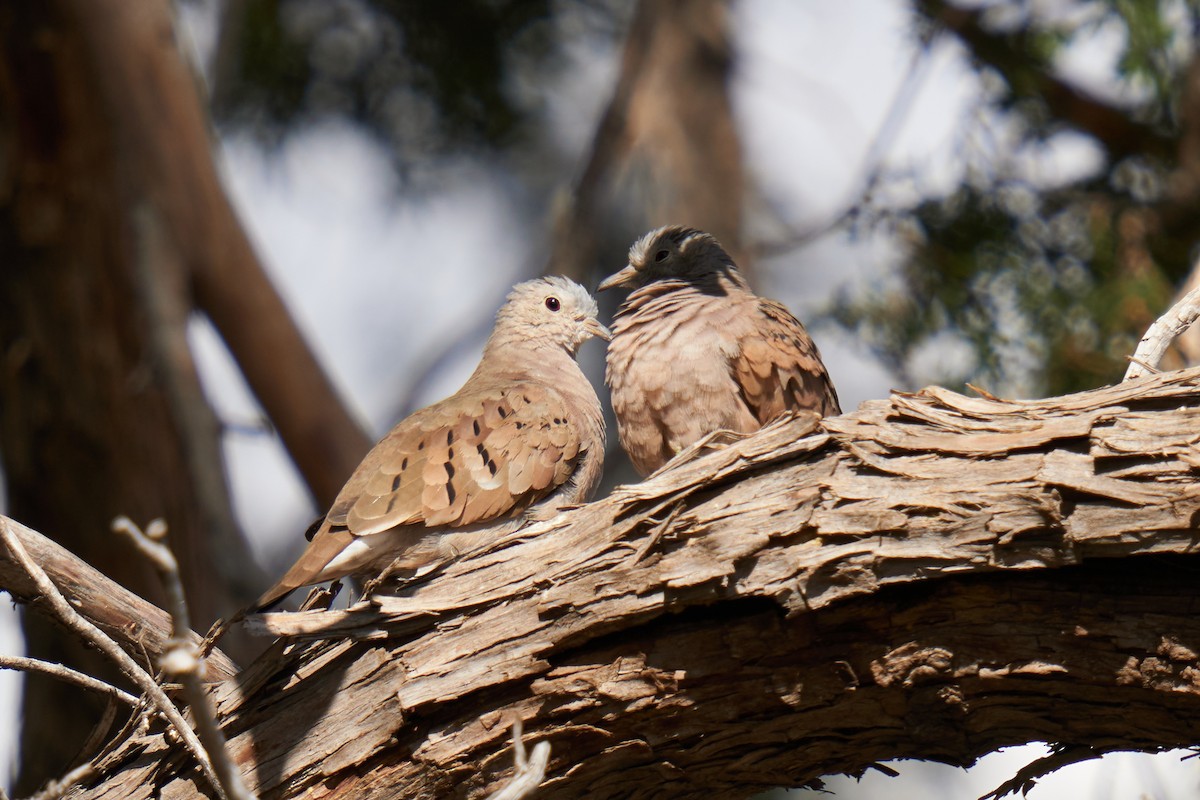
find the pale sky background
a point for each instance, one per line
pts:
(377, 279)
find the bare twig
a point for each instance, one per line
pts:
(137, 625)
(1158, 338)
(529, 772)
(69, 617)
(67, 674)
(869, 170)
(1028, 775)
(100, 730)
(182, 661)
(59, 788)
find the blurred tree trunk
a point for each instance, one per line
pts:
(113, 224)
(666, 149)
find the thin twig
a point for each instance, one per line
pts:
(868, 175)
(1028, 776)
(529, 772)
(59, 788)
(67, 674)
(99, 735)
(69, 617)
(181, 660)
(1158, 338)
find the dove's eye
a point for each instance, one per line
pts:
(661, 255)
(553, 304)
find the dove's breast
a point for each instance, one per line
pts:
(670, 375)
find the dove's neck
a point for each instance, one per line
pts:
(515, 358)
(670, 294)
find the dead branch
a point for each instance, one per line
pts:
(932, 576)
(75, 623)
(139, 627)
(529, 771)
(1162, 333)
(67, 674)
(1028, 776)
(183, 662)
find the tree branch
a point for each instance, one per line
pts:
(1165, 330)
(529, 771)
(75, 623)
(139, 627)
(933, 576)
(183, 662)
(67, 674)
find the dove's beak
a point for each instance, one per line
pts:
(625, 277)
(594, 327)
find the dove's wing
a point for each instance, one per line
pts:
(474, 457)
(777, 367)
(469, 459)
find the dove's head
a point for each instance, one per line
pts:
(553, 311)
(674, 252)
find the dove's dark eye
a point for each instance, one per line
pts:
(661, 255)
(553, 304)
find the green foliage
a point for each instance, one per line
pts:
(1050, 285)
(1149, 39)
(427, 76)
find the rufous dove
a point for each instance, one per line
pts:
(522, 438)
(695, 351)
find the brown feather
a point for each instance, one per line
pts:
(512, 437)
(695, 351)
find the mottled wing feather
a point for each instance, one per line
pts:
(459, 463)
(779, 369)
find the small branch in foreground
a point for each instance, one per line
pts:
(1158, 338)
(59, 788)
(69, 617)
(64, 673)
(529, 772)
(182, 661)
(1027, 777)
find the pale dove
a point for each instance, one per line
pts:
(524, 436)
(695, 351)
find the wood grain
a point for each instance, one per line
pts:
(932, 576)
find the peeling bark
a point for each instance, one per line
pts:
(933, 576)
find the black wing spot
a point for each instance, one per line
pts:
(503, 414)
(491, 465)
(450, 437)
(520, 425)
(449, 471)
(449, 454)
(391, 504)
(475, 423)
(450, 493)
(395, 486)
(421, 445)
(404, 463)
(313, 528)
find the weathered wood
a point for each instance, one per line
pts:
(141, 628)
(932, 576)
